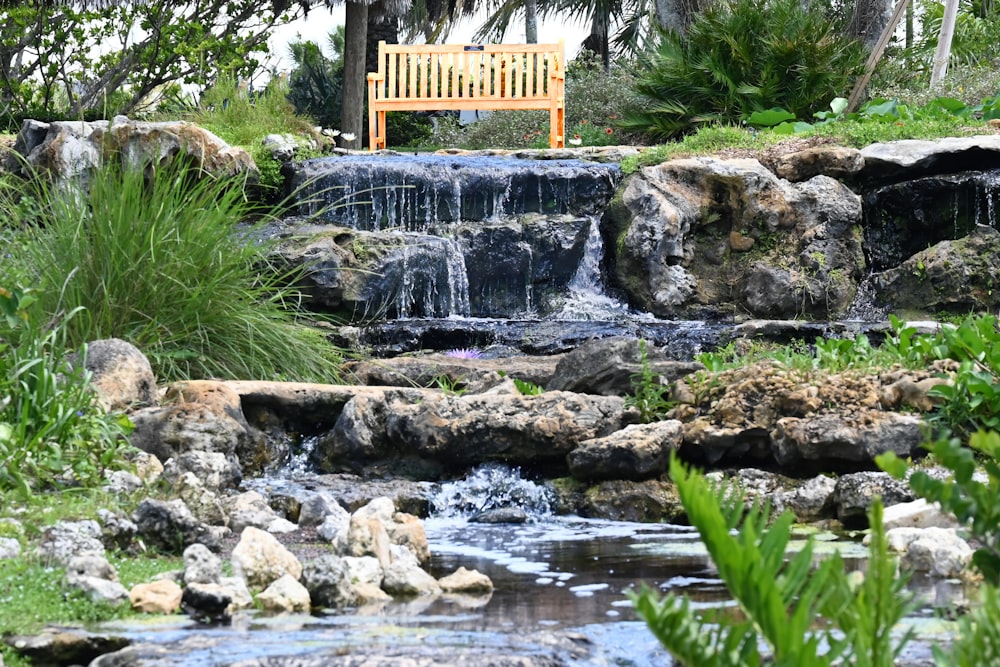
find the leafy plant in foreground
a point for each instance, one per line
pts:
(159, 261)
(781, 598)
(977, 641)
(52, 430)
(974, 500)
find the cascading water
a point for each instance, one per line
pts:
(587, 298)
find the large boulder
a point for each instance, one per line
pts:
(706, 235)
(68, 150)
(120, 373)
(613, 366)
(638, 451)
(953, 276)
(538, 430)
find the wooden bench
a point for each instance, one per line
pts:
(443, 77)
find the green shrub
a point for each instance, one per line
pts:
(977, 641)
(742, 56)
(52, 429)
(160, 262)
(782, 599)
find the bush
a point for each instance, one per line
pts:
(742, 56)
(160, 262)
(52, 429)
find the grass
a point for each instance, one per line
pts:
(160, 261)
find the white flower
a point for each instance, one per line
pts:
(348, 136)
(576, 141)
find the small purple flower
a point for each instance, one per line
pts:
(464, 353)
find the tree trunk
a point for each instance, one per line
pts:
(869, 20)
(676, 15)
(355, 37)
(531, 21)
(597, 41)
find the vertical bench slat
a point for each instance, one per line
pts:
(392, 85)
(435, 89)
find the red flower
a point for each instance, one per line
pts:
(609, 130)
(583, 122)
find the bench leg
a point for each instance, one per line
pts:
(381, 129)
(557, 130)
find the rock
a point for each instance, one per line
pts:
(64, 646)
(117, 532)
(249, 509)
(63, 540)
(260, 559)
(354, 492)
(365, 536)
(638, 451)
(120, 373)
(285, 595)
(96, 577)
(157, 597)
(318, 508)
(9, 548)
(675, 221)
(612, 366)
(207, 603)
(912, 158)
(204, 504)
(329, 582)
(834, 161)
(215, 471)
(170, 526)
(500, 515)
(406, 578)
(650, 501)
(66, 149)
(201, 566)
(422, 370)
(518, 430)
(938, 551)
(408, 531)
(465, 581)
(830, 439)
(854, 493)
(917, 514)
(284, 147)
(333, 526)
(811, 501)
(951, 276)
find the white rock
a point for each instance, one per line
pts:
(260, 559)
(285, 594)
(917, 514)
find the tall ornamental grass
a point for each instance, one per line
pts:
(156, 257)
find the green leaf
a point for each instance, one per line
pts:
(770, 118)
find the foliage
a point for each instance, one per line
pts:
(159, 261)
(595, 102)
(781, 598)
(975, 40)
(53, 432)
(526, 388)
(315, 84)
(58, 56)
(651, 397)
(742, 56)
(975, 501)
(880, 111)
(977, 641)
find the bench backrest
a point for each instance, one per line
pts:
(484, 71)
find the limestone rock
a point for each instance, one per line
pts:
(917, 514)
(675, 220)
(406, 578)
(9, 548)
(329, 581)
(834, 161)
(214, 471)
(855, 492)
(421, 371)
(120, 373)
(285, 595)
(911, 158)
(249, 509)
(201, 566)
(408, 531)
(638, 451)
(157, 597)
(828, 439)
(318, 508)
(64, 540)
(610, 366)
(650, 501)
(65, 646)
(463, 430)
(170, 526)
(938, 551)
(260, 559)
(465, 581)
(97, 578)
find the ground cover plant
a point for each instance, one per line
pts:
(156, 257)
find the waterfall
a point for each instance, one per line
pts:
(587, 298)
(491, 487)
(429, 279)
